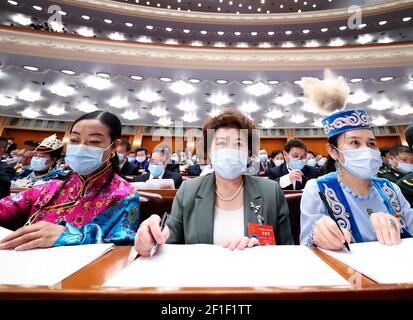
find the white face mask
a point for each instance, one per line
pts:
(363, 163)
(84, 159)
(404, 168)
(322, 162)
(229, 163)
(311, 162)
(278, 162)
(131, 158)
(121, 157)
(141, 159)
(39, 164)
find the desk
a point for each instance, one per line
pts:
(87, 284)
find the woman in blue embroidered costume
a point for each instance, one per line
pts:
(94, 204)
(43, 165)
(367, 208)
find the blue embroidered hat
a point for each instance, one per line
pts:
(345, 120)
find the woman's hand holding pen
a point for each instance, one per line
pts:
(150, 233)
(386, 228)
(328, 236)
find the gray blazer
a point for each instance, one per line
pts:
(192, 217)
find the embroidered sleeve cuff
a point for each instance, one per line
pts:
(70, 236)
(310, 241)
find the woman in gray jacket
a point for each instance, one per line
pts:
(218, 208)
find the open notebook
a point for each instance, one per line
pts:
(381, 263)
(202, 265)
(45, 267)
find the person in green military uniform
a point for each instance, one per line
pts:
(406, 182)
(400, 163)
(385, 154)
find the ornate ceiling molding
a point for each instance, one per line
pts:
(220, 18)
(71, 47)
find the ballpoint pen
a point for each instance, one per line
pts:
(162, 226)
(331, 214)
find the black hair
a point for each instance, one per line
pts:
(295, 143)
(399, 148)
(313, 153)
(114, 125)
(126, 144)
(409, 135)
(142, 149)
(3, 142)
(330, 165)
(384, 151)
(275, 153)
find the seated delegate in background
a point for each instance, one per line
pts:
(276, 158)
(8, 169)
(126, 168)
(157, 170)
(42, 166)
(4, 184)
(218, 208)
(94, 204)
(367, 208)
(294, 173)
(265, 164)
(142, 160)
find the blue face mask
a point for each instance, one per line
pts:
(156, 170)
(141, 159)
(363, 163)
(263, 157)
(229, 163)
(404, 168)
(39, 164)
(121, 157)
(311, 162)
(84, 159)
(297, 164)
(278, 162)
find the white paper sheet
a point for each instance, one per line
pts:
(381, 263)
(213, 266)
(46, 267)
(4, 232)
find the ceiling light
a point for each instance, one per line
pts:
(318, 123)
(12, 2)
(267, 123)
(406, 19)
(221, 81)
(306, 31)
(21, 19)
(129, 24)
(186, 31)
(136, 77)
(38, 8)
(285, 99)
(342, 28)
(365, 38)
(404, 110)
(85, 32)
(85, 17)
(288, 32)
(298, 118)
(30, 113)
(117, 36)
(69, 72)
(165, 121)
(254, 33)
(312, 44)
(6, 101)
(158, 111)
(258, 89)
(62, 89)
(56, 110)
(247, 82)
(195, 81)
(264, 45)
(86, 106)
(144, 39)
(169, 29)
(187, 105)
(97, 83)
(381, 104)
(311, 108)
(337, 43)
(63, 13)
(237, 33)
(171, 42)
(358, 97)
(182, 88)
(29, 95)
(103, 75)
(204, 32)
(31, 68)
(379, 121)
(384, 79)
(197, 43)
(149, 27)
(215, 112)
(242, 45)
(148, 95)
(324, 29)
(249, 107)
(288, 44)
(386, 39)
(273, 82)
(130, 115)
(108, 21)
(362, 25)
(219, 44)
(118, 102)
(165, 79)
(383, 22)
(219, 99)
(220, 33)
(190, 117)
(270, 33)
(274, 114)
(356, 80)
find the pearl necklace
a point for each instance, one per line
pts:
(232, 197)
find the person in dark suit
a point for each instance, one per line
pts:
(126, 168)
(4, 183)
(265, 164)
(8, 169)
(142, 161)
(157, 170)
(293, 174)
(11, 145)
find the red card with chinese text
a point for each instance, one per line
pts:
(264, 233)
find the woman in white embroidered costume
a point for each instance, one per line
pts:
(367, 208)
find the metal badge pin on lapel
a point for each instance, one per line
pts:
(256, 209)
